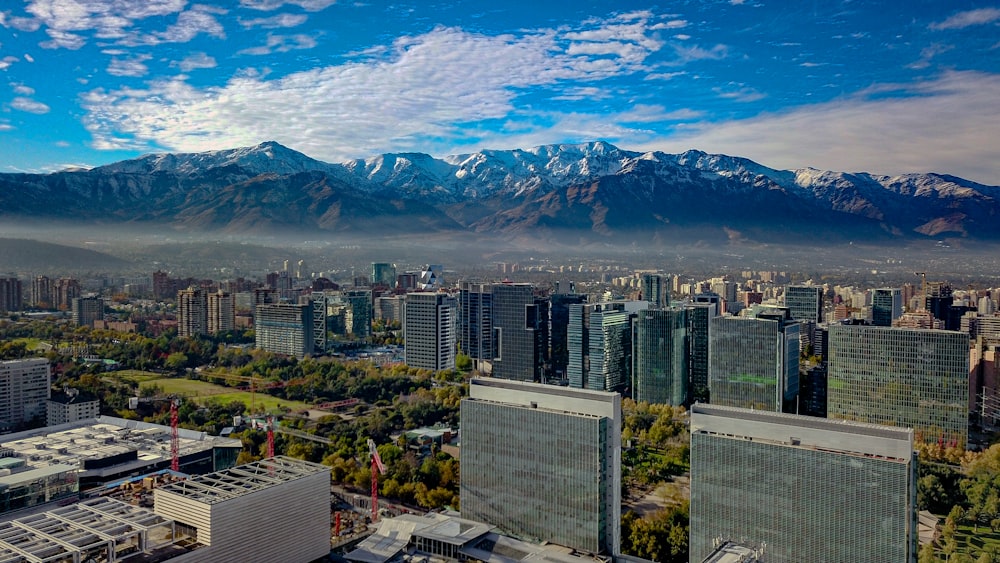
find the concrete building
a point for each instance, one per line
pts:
(285, 328)
(429, 330)
(276, 509)
(660, 356)
(543, 462)
(754, 361)
(106, 448)
(85, 310)
(887, 305)
(915, 378)
(805, 302)
(25, 387)
(221, 312)
(389, 308)
(520, 324)
(192, 312)
(11, 297)
(71, 405)
(475, 302)
(808, 489)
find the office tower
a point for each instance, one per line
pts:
(655, 291)
(25, 387)
(599, 341)
(11, 298)
(476, 323)
(263, 296)
(699, 316)
(407, 280)
(810, 489)
(543, 462)
(301, 270)
(284, 328)
(162, 286)
(192, 312)
(359, 312)
(660, 354)
(86, 310)
(938, 299)
(389, 309)
(431, 277)
(812, 391)
(805, 302)
(887, 305)
(901, 377)
(559, 304)
(383, 274)
(429, 330)
(221, 312)
(520, 332)
(754, 361)
(986, 306)
(320, 328)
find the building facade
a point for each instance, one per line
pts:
(429, 330)
(559, 304)
(384, 274)
(221, 312)
(654, 291)
(599, 341)
(754, 361)
(11, 297)
(192, 312)
(543, 462)
(809, 489)
(285, 328)
(887, 305)
(520, 332)
(660, 356)
(85, 310)
(805, 302)
(699, 317)
(901, 377)
(475, 301)
(70, 406)
(25, 388)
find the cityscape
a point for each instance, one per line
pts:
(314, 281)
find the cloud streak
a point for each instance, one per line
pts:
(945, 125)
(968, 18)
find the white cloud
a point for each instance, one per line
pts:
(927, 54)
(29, 58)
(968, 18)
(739, 93)
(6, 127)
(195, 61)
(665, 75)
(62, 40)
(190, 23)
(687, 54)
(68, 21)
(29, 105)
(392, 100)
(281, 44)
(275, 22)
(7, 61)
(945, 125)
(23, 24)
(682, 37)
(22, 90)
(129, 67)
(268, 5)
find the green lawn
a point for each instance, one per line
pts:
(136, 376)
(195, 390)
(974, 543)
(29, 343)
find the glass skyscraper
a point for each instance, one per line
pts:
(887, 305)
(901, 377)
(475, 301)
(520, 332)
(805, 302)
(699, 315)
(654, 291)
(754, 362)
(559, 329)
(429, 325)
(660, 354)
(543, 462)
(807, 489)
(600, 346)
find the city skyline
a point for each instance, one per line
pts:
(910, 88)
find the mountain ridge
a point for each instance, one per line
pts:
(588, 191)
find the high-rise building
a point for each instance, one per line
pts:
(221, 312)
(389, 308)
(383, 274)
(285, 328)
(600, 346)
(86, 310)
(559, 304)
(192, 312)
(543, 462)
(64, 291)
(520, 332)
(70, 405)
(429, 330)
(655, 291)
(754, 361)
(475, 301)
(359, 312)
(805, 302)
(25, 387)
(699, 316)
(810, 489)
(41, 292)
(11, 298)
(660, 354)
(901, 377)
(887, 305)
(431, 277)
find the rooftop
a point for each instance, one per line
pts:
(220, 486)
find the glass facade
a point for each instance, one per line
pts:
(476, 338)
(699, 315)
(805, 302)
(887, 304)
(901, 377)
(610, 350)
(284, 328)
(660, 369)
(429, 326)
(754, 363)
(805, 497)
(559, 304)
(520, 332)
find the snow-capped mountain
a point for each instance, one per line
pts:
(591, 191)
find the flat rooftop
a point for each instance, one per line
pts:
(220, 486)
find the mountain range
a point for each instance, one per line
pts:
(577, 194)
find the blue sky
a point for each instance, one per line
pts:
(886, 87)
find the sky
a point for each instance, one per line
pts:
(886, 87)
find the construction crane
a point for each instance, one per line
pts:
(377, 467)
(175, 403)
(270, 436)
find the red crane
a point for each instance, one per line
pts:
(377, 467)
(175, 441)
(270, 436)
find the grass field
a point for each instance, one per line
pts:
(974, 543)
(136, 376)
(195, 390)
